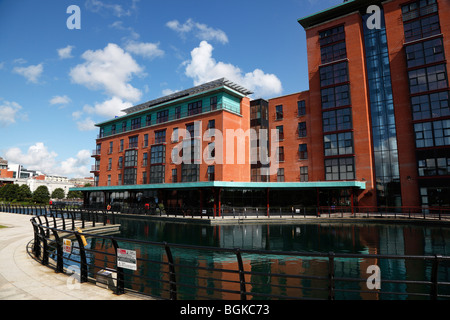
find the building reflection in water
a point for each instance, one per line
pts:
(338, 238)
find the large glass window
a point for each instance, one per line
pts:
(335, 96)
(301, 108)
(333, 74)
(337, 120)
(302, 133)
(422, 28)
(158, 154)
(129, 176)
(190, 172)
(430, 105)
(160, 136)
(157, 174)
(428, 79)
(131, 158)
(279, 112)
(133, 142)
(339, 169)
(426, 52)
(432, 134)
(135, 123)
(333, 52)
(434, 166)
(304, 174)
(416, 9)
(303, 151)
(338, 144)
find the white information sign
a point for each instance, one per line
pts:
(126, 259)
(67, 246)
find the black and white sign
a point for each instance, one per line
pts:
(126, 259)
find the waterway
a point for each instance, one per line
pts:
(359, 238)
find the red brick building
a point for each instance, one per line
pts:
(372, 130)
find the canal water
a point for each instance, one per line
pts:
(364, 238)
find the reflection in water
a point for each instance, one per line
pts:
(336, 237)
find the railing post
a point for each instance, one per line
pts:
(434, 278)
(331, 276)
(59, 252)
(45, 247)
(83, 260)
(172, 277)
(243, 290)
(120, 287)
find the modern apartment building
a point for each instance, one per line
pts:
(372, 130)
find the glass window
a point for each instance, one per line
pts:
(280, 133)
(162, 116)
(177, 112)
(427, 52)
(195, 108)
(279, 112)
(332, 35)
(174, 175)
(432, 134)
(339, 169)
(190, 172)
(129, 176)
(133, 142)
(213, 103)
(135, 123)
(303, 151)
(211, 175)
(419, 8)
(422, 28)
(303, 174)
(430, 105)
(335, 96)
(333, 52)
(337, 120)
(157, 174)
(160, 136)
(148, 120)
(338, 144)
(333, 74)
(428, 79)
(302, 130)
(301, 108)
(280, 154)
(280, 175)
(131, 158)
(158, 154)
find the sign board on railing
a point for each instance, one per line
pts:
(67, 246)
(126, 259)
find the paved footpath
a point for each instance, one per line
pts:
(23, 278)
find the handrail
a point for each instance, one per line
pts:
(174, 277)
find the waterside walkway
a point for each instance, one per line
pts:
(23, 278)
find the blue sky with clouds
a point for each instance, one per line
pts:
(56, 82)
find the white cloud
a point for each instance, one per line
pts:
(9, 112)
(65, 53)
(86, 125)
(203, 68)
(31, 73)
(39, 157)
(115, 9)
(109, 108)
(109, 69)
(146, 49)
(61, 100)
(201, 31)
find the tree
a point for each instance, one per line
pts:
(74, 195)
(24, 193)
(41, 195)
(58, 193)
(11, 192)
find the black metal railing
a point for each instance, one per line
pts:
(179, 271)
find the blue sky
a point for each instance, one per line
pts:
(56, 82)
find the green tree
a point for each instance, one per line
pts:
(24, 193)
(74, 194)
(12, 192)
(58, 193)
(4, 191)
(41, 195)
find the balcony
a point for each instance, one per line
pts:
(95, 153)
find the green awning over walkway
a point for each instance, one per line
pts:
(230, 185)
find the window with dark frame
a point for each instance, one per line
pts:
(213, 103)
(279, 112)
(280, 175)
(133, 142)
(303, 151)
(211, 173)
(301, 108)
(339, 169)
(174, 175)
(160, 136)
(194, 108)
(304, 174)
(178, 112)
(162, 116)
(302, 133)
(135, 123)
